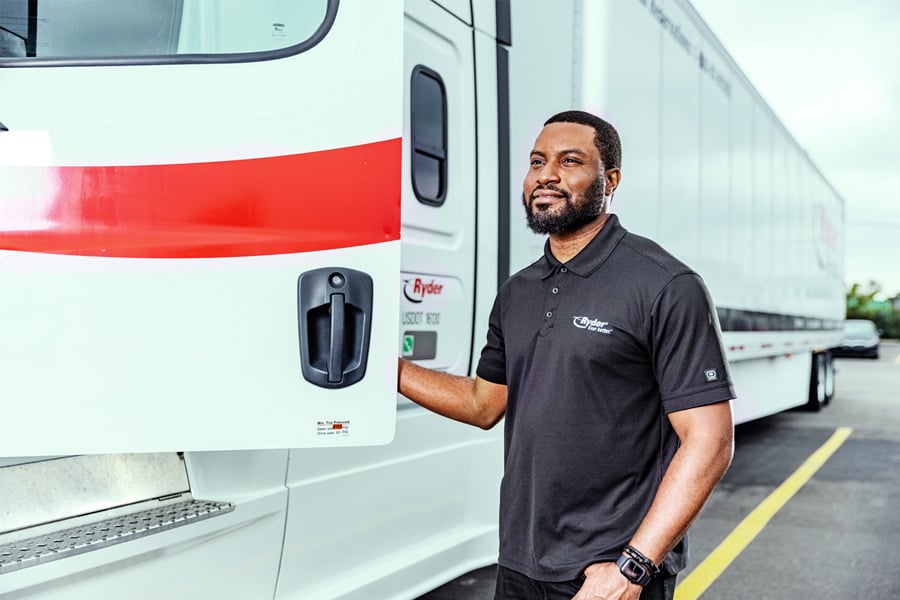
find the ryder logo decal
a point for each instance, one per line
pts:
(417, 289)
(594, 325)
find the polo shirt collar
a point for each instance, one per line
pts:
(591, 256)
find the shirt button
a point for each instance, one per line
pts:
(549, 313)
(564, 270)
(555, 290)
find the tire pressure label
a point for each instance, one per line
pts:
(333, 428)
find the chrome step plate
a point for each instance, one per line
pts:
(76, 540)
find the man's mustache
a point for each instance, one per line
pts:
(551, 188)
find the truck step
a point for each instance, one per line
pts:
(77, 540)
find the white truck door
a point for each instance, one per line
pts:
(415, 515)
(439, 193)
(199, 224)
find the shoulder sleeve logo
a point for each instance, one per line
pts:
(712, 375)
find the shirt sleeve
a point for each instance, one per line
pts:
(686, 346)
(492, 364)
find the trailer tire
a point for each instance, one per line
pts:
(817, 380)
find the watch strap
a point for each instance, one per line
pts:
(641, 558)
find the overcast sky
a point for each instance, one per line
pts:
(828, 68)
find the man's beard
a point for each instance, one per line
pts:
(570, 217)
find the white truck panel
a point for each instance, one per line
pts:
(629, 92)
(541, 73)
(104, 345)
(714, 219)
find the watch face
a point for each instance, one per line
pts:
(633, 570)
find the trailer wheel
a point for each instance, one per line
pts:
(817, 380)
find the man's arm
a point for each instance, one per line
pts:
(474, 401)
(707, 446)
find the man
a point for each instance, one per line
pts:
(606, 359)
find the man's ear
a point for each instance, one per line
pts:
(613, 177)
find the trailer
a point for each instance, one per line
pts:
(221, 222)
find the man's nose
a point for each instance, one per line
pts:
(547, 174)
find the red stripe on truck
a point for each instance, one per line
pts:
(277, 205)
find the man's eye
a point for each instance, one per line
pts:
(535, 162)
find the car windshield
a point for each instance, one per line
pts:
(859, 328)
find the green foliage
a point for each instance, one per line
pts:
(861, 304)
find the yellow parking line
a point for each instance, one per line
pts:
(709, 570)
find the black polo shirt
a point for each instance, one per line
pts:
(595, 352)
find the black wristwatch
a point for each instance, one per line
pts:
(634, 571)
(636, 567)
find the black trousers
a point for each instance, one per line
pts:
(512, 585)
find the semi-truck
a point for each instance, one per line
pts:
(222, 222)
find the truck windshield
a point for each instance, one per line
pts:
(106, 29)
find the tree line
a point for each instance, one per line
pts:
(862, 304)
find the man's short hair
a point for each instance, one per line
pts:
(606, 138)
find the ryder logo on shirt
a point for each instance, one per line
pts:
(595, 325)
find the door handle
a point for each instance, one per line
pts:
(334, 322)
(336, 351)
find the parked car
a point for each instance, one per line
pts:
(861, 338)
